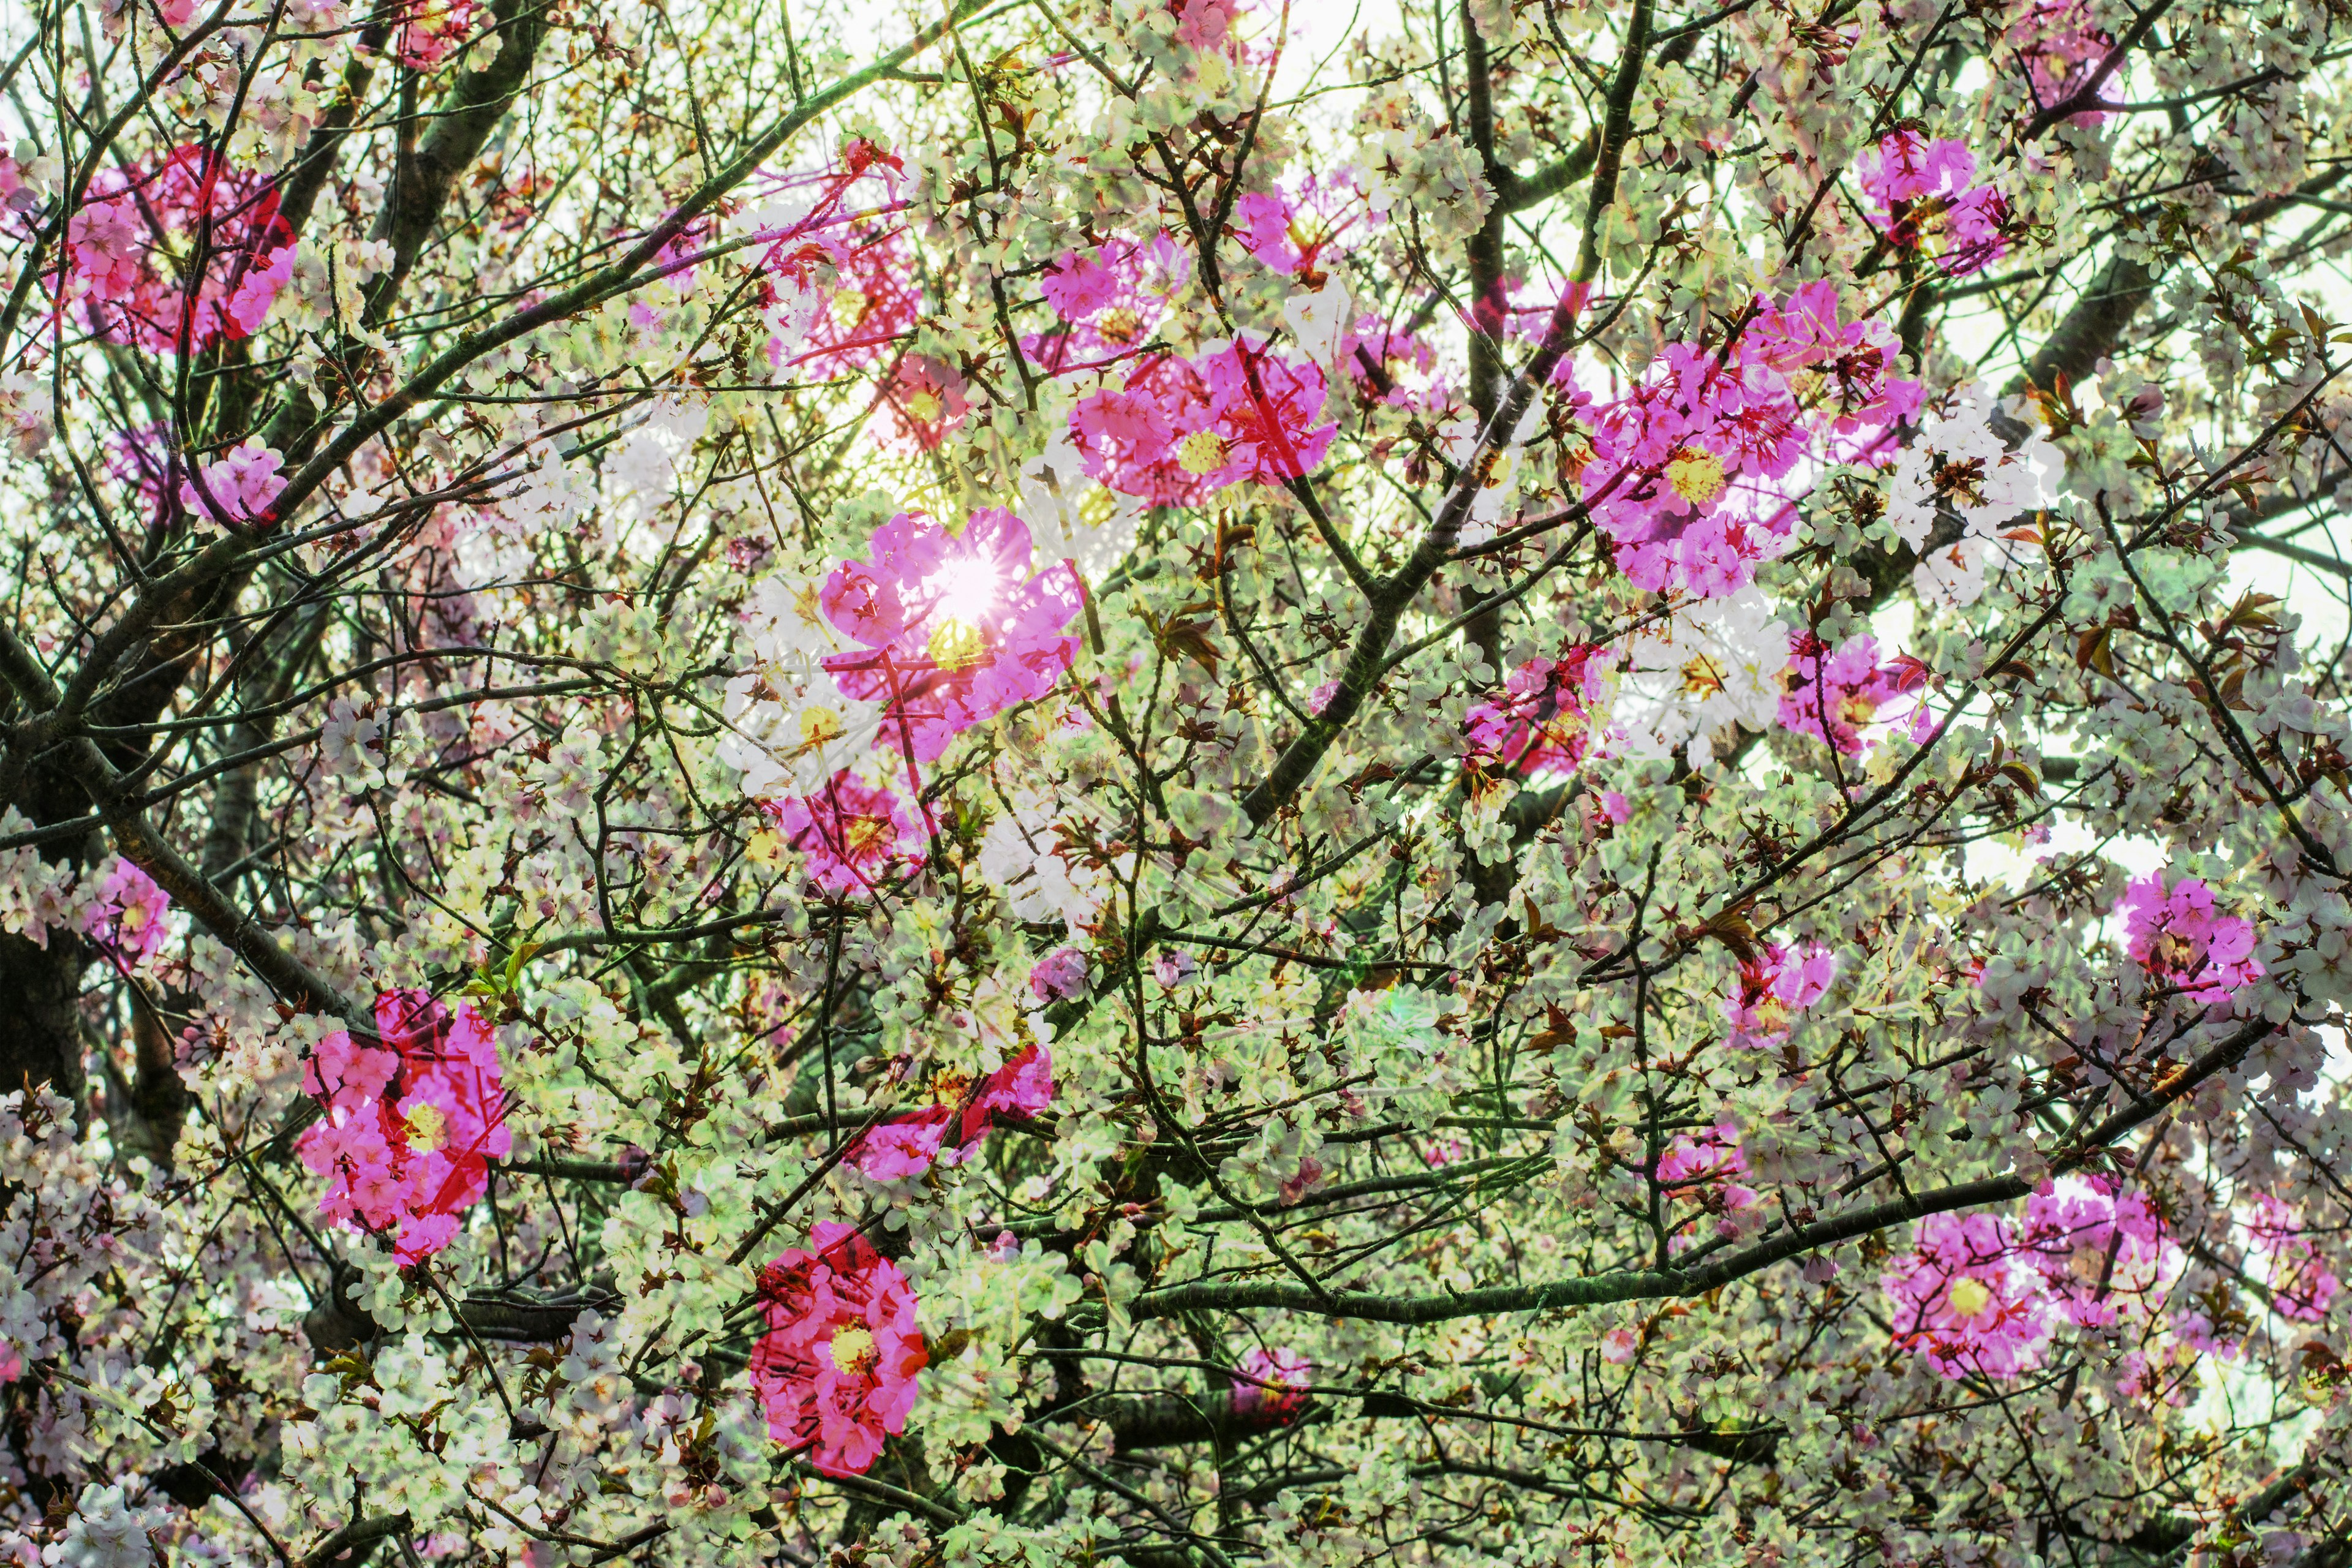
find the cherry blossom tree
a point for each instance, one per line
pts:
(1526, 781)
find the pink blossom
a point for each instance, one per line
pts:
(1693, 471)
(1181, 430)
(1778, 983)
(2300, 1283)
(430, 31)
(906, 1145)
(1059, 976)
(2059, 43)
(835, 1372)
(410, 1124)
(1699, 1168)
(1202, 23)
(1961, 1301)
(854, 834)
(1539, 724)
(2179, 938)
(960, 1116)
(1921, 199)
(241, 486)
(1619, 1346)
(129, 246)
(957, 628)
(1280, 1392)
(1110, 298)
(2097, 1256)
(1847, 688)
(925, 400)
(126, 918)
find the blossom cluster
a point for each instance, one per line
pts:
(409, 1121)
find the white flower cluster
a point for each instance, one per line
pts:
(791, 726)
(1022, 855)
(1072, 517)
(1713, 664)
(1959, 461)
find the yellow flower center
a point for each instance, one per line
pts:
(852, 1349)
(953, 645)
(1696, 477)
(1702, 677)
(1202, 452)
(819, 725)
(426, 1126)
(925, 404)
(865, 834)
(1119, 325)
(1969, 1296)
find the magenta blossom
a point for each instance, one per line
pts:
(127, 246)
(126, 918)
(2300, 1283)
(1922, 200)
(855, 833)
(1835, 696)
(949, 1132)
(1110, 299)
(1963, 1302)
(1777, 984)
(1280, 1392)
(1693, 471)
(836, 1368)
(1539, 722)
(955, 628)
(1699, 1168)
(2097, 1256)
(1181, 430)
(240, 487)
(1059, 976)
(2179, 938)
(411, 1123)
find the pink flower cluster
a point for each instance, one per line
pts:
(430, 31)
(1778, 983)
(1110, 299)
(956, 626)
(410, 1124)
(1698, 1167)
(2301, 1284)
(1979, 1295)
(844, 293)
(2059, 43)
(2097, 1255)
(1539, 722)
(1289, 233)
(129, 245)
(126, 918)
(241, 486)
(2178, 938)
(1833, 696)
(1921, 200)
(1177, 431)
(953, 629)
(1059, 976)
(854, 835)
(1280, 1392)
(835, 1371)
(910, 1143)
(1964, 1300)
(1690, 471)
